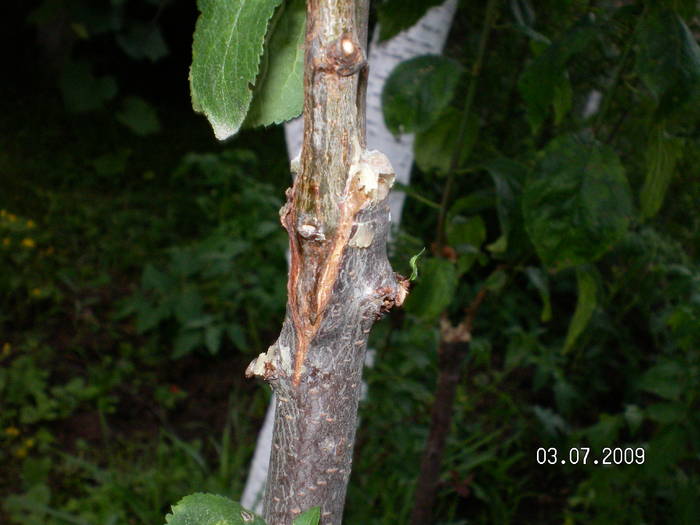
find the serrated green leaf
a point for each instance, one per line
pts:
(577, 203)
(538, 278)
(139, 116)
(228, 43)
(210, 509)
(417, 92)
(435, 146)
(279, 91)
(310, 517)
(397, 15)
(434, 290)
(540, 80)
(663, 151)
(585, 305)
(668, 61)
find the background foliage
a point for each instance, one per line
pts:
(142, 265)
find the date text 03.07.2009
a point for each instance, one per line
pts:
(583, 456)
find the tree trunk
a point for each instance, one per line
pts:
(427, 36)
(340, 280)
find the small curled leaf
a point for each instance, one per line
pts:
(414, 266)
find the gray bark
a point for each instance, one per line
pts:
(340, 280)
(427, 36)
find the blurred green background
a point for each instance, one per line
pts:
(142, 266)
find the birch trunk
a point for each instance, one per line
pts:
(340, 280)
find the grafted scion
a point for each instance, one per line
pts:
(340, 279)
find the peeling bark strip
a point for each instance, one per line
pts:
(340, 280)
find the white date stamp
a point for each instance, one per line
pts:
(583, 456)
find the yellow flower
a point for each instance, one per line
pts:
(21, 452)
(29, 443)
(6, 241)
(28, 242)
(12, 431)
(36, 292)
(6, 348)
(31, 224)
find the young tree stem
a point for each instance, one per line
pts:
(340, 280)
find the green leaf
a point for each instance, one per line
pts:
(417, 92)
(634, 417)
(82, 91)
(139, 116)
(466, 231)
(508, 177)
(663, 152)
(435, 146)
(585, 305)
(210, 509)
(666, 449)
(310, 517)
(111, 164)
(149, 316)
(228, 44)
(186, 341)
(153, 279)
(604, 432)
(667, 413)
(236, 335)
(397, 15)
(188, 305)
(538, 278)
(434, 290)
(279, 91)
(212, 337)
(667, 380)
(563, 99)
(413, 263)
(668, 60)
(577, 203)
(143, 40)
(541, 80)
(466, 235)
(496, 281)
